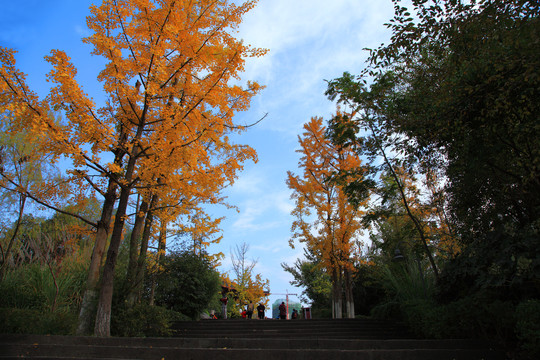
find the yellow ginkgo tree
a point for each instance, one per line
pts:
(325, 222)
(172, 84)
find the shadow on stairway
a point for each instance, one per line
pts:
(255, 339)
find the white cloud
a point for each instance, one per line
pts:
(263, 248)
(250, 220)
(294, 254)
(309, 41)
(283, 202)
(82, 31)
(250, 182)
(226, 263)
(282, 24)
(264, 212)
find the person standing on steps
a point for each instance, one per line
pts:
(282, 311)
(294, 314)
(224, 300)
(250, 309)
(260, 311)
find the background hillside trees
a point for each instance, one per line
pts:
(469, 101)
(24, 170)
(454, 95)
(458, 92)
(366, 132)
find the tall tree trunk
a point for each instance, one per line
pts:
(337, 297)
(161, 251)
(89, 301)
(349, 298)
(136, 290)
(134, 250)
(103, 316)
(3, 268)
(140, 217)
(90, 296)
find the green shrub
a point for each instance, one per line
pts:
(410, 292)
(15, 292)
(19, 321)
(459, 319)
(187, 283)
(417, 314)
(470, 317)
(33, 287)
(32, 321)
(144, 321)
(387, 311)
(320, 312)
(61, 322)
(528, 326)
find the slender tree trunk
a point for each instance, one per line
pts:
(89, 301)
(134, 250)
(337, 298)
(103, 316)
(349, 298)
(3, 268)
(90, 296)
(414, 219)
(136, 290)
(140, 217)
(161, 251)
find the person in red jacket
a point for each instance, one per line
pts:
(282, 311)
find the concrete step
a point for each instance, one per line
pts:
(240, 343)
(343, 323)
(115, 352)
(282, 335)
(345, 328)
(76, 347)
(261, 340)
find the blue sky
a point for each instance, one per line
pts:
(309, 41)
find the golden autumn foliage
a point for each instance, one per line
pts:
(254, 289)
(171, 78)
(325, 221)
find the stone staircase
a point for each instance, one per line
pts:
(255, 340)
